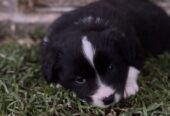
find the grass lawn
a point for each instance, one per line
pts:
(23, 92)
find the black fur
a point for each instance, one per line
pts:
(128, 31)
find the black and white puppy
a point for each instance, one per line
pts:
(98, 50)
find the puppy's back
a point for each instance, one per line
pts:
(151, 23)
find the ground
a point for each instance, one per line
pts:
(23, 91)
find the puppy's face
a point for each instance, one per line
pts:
(94, 69)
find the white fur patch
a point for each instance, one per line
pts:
(88, 50)
(102, 92)
(131, 87)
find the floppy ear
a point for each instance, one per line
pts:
(50, 62)
(130, 48)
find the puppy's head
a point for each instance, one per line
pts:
(97, 66)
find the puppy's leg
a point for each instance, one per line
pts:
(131, 87)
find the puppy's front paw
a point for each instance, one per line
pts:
(131, 89)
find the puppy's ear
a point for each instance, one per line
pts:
(50, 62)
(130, 48)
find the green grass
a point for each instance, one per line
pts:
(24, 92)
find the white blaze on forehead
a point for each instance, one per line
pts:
(131, 87)
(102, 92)
(88, 50)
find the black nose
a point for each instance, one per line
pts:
(108, 100)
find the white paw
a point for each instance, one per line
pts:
(131, 89)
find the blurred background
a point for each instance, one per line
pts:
(30, 18)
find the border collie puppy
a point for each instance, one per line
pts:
(98, 50)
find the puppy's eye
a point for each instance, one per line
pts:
(80, 80)
(110, 68)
